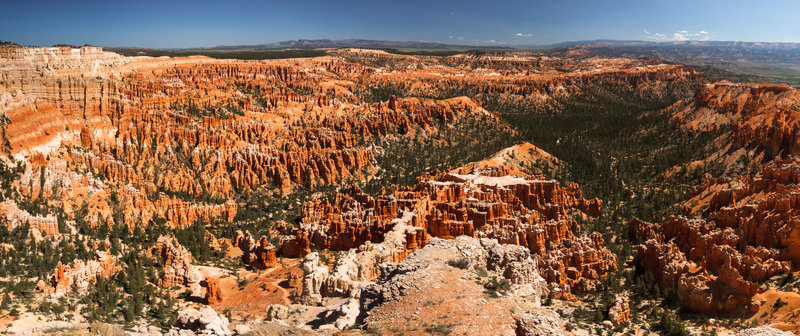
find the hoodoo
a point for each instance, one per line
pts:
(369, 187)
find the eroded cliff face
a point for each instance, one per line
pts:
(177, 263)
(256, 254)
(179, 138)
(131, 142)
(14, 217)
(495, 202)
(749, 234)
(537, 79)
(198, 130)
(750, 116)
(79, 275)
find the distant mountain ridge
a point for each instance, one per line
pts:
(641, 43)
(771, 61)
(768, 61)
(346, 43)
(378, 44)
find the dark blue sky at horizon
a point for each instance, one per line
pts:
(183, 24)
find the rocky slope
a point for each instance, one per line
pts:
(737, 234)
(79, 275)
(492, 201)
(753, 121)
(443, 287)
(748, 236)
(176, 261)
(175, 161)
(465, 285)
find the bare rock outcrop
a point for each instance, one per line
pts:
(79, 274)
(763, 331)
(177, 263)
(357, 267)
(749, 235)
(542, 323)
(213, 293)
(620, 311)
(204, 321)
(438, 283)
(14, 216)
(511, 262)
(314, 275)
(256, 254)
(494, 200)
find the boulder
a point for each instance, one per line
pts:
(204, 321)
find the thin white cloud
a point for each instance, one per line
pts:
(523, 35)
(681, 35)
(657, 36)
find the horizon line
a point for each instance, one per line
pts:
(497, 45)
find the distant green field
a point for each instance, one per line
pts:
(780, 72)
(746, 71)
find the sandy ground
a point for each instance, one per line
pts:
(786, 317)
(247, 295)
(446, 300)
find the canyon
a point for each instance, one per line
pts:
(517, 209)
(388, 193)
(735, 232)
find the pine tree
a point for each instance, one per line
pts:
(128, 313)
(6, 302)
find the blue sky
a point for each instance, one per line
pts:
(198, 23)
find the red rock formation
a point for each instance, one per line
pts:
(514, 209)
(213, 292)
(749, 235)
(14, 216)
(258, 255)
(205, 130)
(765, 116)
(80, 273)
(176, 260)
(620, 311)
(579, 258)
(295, 281)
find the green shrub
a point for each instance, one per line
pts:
(460, 263)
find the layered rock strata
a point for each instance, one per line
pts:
(748, 235)
(258, 255)
(213, 294)
(620, 311)
(179, 138)
(514, 209)
(177, 263)
(78, 275)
